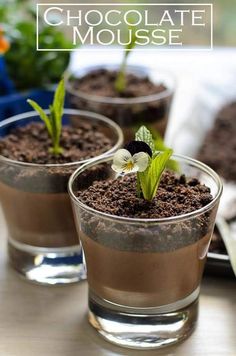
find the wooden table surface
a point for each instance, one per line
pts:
(37, 320)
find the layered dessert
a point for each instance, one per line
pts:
(33, 182)
(145, 228)
(140, 264)
(143, 101)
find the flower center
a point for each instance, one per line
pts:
(129, 165)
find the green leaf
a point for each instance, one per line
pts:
(53, 125)
(132, 43)
(157, 167)
(57, 109)
(58, 101)
(120, 82)
(42, 115)
(54, 121)
(143, 134)
(150, 179)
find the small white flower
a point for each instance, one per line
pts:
(124, 162)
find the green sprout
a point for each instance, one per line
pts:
(148, 181)
(142, 157)
(53, 121)
(120, 82)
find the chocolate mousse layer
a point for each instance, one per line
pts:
(144, 279)
(37, 219)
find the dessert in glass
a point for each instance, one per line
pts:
(146, 100)
(42, 241)
(145, 258)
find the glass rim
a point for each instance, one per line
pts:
(87, 114)
(122, 101)
(173, 219)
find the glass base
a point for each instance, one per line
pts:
(49, 266)
(143, 328)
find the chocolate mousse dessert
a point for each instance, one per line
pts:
(154, 250)
(41, 190)
(38, 153)
(158, 260)
(141, 102)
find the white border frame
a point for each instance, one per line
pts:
(207, 49)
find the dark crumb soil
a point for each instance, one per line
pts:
(175, 196)
(219, 147)
(31, 144)
(101, 82)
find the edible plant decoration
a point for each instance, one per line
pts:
(120, 82)
(53, 121)
(140, 156)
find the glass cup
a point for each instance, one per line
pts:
(144, 275)
(128, 113)
(42, 243)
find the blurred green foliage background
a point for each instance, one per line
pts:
(26, 67)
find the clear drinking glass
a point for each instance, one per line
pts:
(42, 242)
(144, 275)
(128, 113)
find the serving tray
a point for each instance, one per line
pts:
(218, 263)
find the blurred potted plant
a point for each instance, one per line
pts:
(38, 71)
